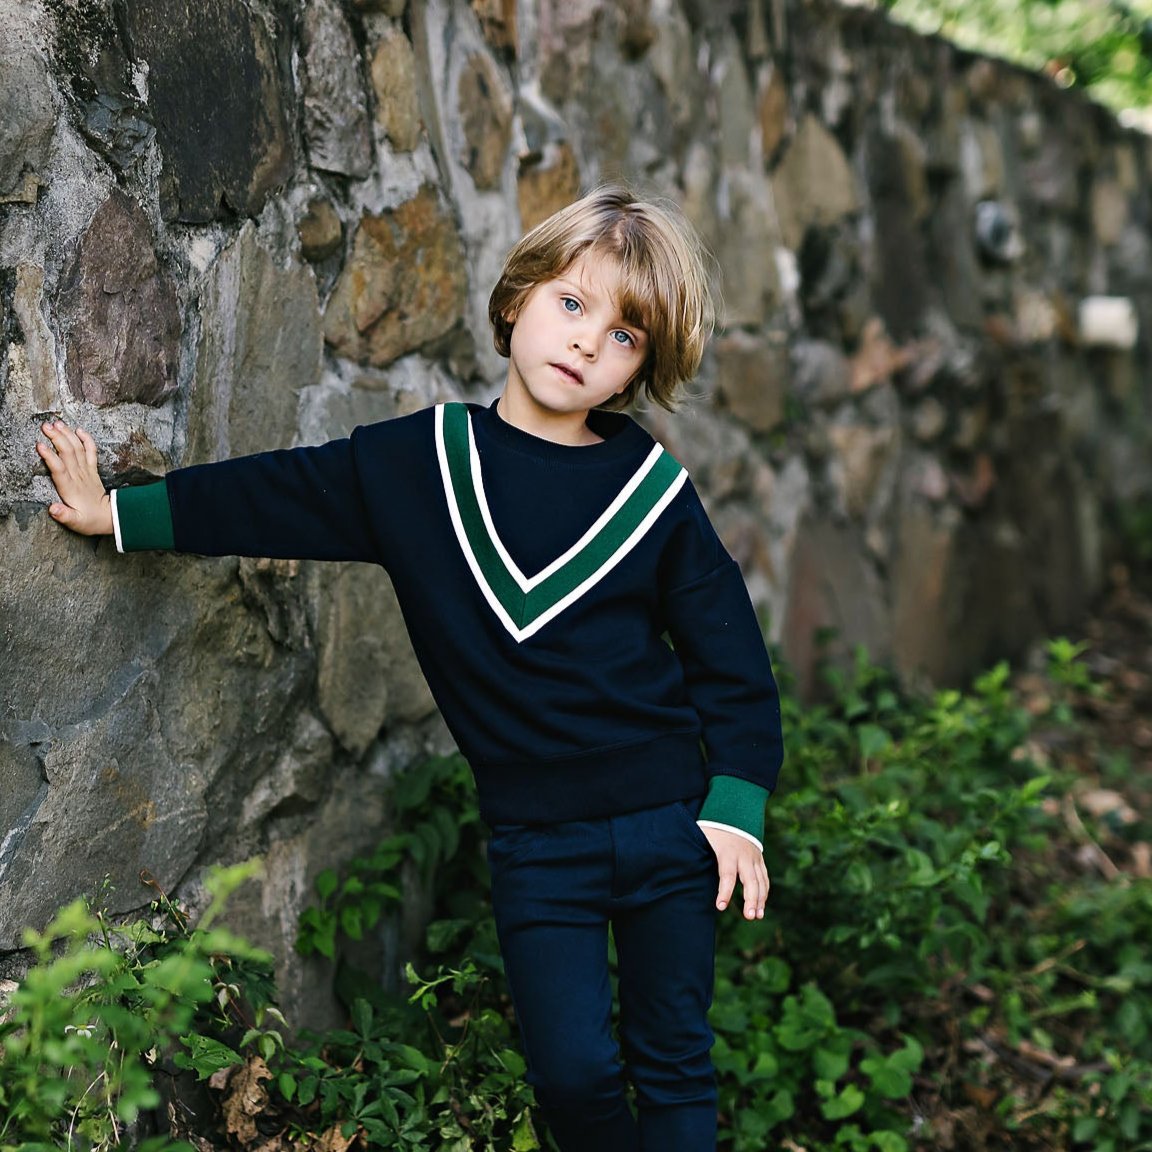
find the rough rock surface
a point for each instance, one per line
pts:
(234, 225)
(119, 311)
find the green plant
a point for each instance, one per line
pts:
(931, 934)
(1103, 47)
(102, 1007)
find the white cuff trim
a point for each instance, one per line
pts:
(735, 831)
(115, 521)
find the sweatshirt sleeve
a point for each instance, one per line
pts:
(717, 637)
(298, 503)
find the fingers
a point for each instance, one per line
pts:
(89, 447)
(752, 873)
(71, 458)
(755, 886)
(62, 514)
(69, 445)
(728, 874)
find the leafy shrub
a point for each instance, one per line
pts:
(103, 1008)
(938, 970)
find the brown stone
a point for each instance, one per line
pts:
(394, 82)
(393, 8)
(753, 379)
(566, 44)
(921, 604)
(119, 312)
(878, 357)
(834, 592)
(929, 420)
(1109, 212)
(498, 23)
(637, 32)
(320, 230)
(485, 108)
(976, 485)
(403, 285)
(814, 182)
(39, 343)
(773, 113)
(547, 186)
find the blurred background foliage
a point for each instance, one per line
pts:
(1101, 46)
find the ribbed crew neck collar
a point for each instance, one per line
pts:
(622, 437)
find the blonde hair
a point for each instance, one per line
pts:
(665, 287)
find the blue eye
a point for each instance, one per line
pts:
(623, 338)
(568, 300)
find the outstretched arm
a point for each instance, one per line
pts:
(70, 456)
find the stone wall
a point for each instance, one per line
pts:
(230, 225)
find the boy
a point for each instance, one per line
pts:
(623, 777)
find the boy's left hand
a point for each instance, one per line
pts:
(739, 859)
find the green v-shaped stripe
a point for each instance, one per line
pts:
(525, 604)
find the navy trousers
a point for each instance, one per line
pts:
(557, 889)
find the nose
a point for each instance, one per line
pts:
(584, 342)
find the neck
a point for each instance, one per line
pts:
(568, 428)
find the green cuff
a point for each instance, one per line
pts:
(737, 803)
(144, 518)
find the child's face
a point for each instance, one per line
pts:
(571, 349)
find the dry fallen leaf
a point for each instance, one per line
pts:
(247, 1098)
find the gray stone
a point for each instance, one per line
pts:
(27, 108)
(115, 125)
(216, 85)
(119, 312)
(260, 343)
(735, 107)
(747, 249)
(367, 674)
(335, 106)
(821, 373)
(128, 740)
(901, 274)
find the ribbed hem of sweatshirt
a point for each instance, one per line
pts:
(592, 785)
(142, 518)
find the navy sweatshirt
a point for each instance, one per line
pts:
(588, 640)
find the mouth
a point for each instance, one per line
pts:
(572, 374)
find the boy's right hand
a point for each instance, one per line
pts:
(84, 506)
